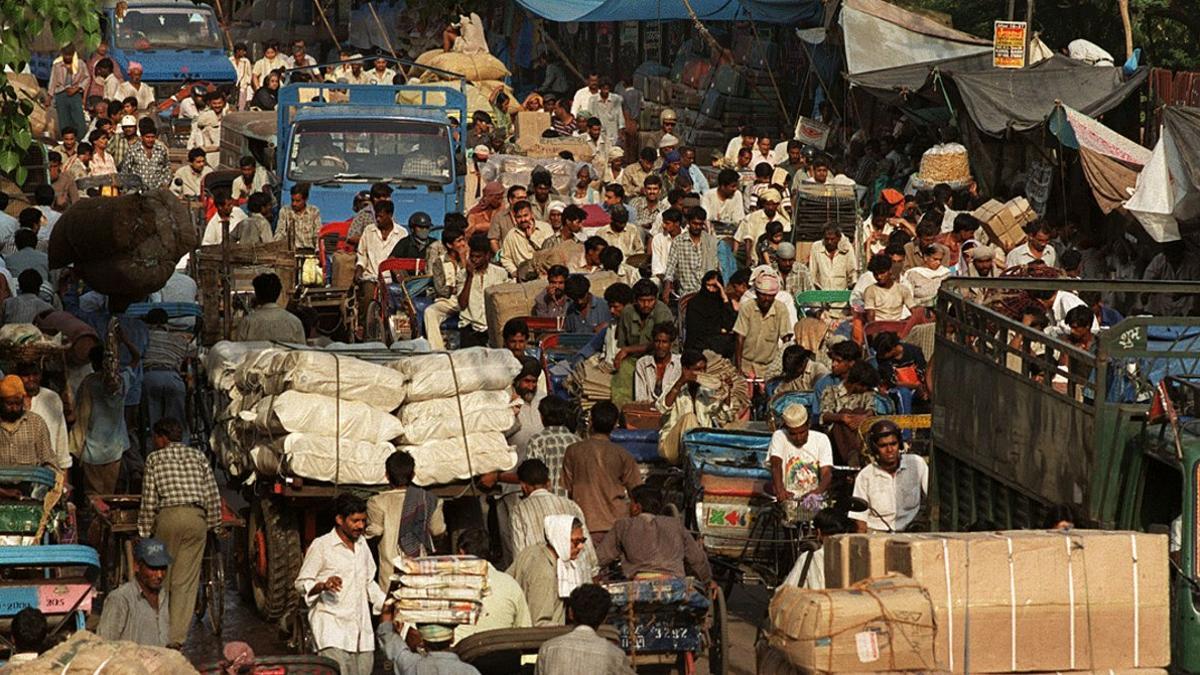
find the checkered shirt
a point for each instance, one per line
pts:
(178, 475)
(548, 445)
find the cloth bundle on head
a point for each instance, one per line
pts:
(571, 573)
(134, 65)
(766, 282)
(11, 387)
(983, 253)
(786, 251)
(588, 167)
(795, 415)
(667, 141)
(894, 199)
(238, 656)
(770, 195)
(615, 153)
(482, 152)
(435, 633)
(556, 207)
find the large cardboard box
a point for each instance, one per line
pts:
(867, 557)
(1005, 223)
(837, 560)
(1042, 601)
(548, 148)
(530, 125)
(881, 624)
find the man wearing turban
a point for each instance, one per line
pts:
(762, 328)
(24, 436)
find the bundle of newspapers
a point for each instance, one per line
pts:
(445, 589)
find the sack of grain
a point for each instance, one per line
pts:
(274, 371)
(473, 67)
(446, 461)
(327, 458)
(444, 375)
(508, 301)
(86, 653)
(297, 412)
(124, 246)
(439, 418)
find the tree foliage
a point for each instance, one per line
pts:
(1164, 29)
(24, 23)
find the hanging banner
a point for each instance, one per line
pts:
(1008, 44)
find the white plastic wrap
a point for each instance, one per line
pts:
(274, 371)
(440, 462)
(297, 412)
(484, 411)
(318, 458)
(223, 359)
(429, 376)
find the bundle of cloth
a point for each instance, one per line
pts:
(313, 414)
(443, 590)
(457, 411)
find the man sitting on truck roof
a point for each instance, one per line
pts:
(894, 485)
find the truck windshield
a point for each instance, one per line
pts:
(168, 28)
(369, 151)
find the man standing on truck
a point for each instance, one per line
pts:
(337, 581)
(893, 486)
(68, 79)
(180, 504)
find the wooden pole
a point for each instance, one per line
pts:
(558, 50)
(325, 20)
(1128, 26)
(1012, 9)
(224, 25)
(1028, 29)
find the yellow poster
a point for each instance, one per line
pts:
(1008, 44)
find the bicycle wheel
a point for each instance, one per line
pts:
(216, 584)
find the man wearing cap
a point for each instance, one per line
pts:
(982, 263)
(134, 87)
(124, 141)
(435, 639)
(894, 485)
(149, 160)
(416, 244)
(754, 225)
(478, 172)
(634, 175)
(139, 610)
(801, 460)
(180, 504)
(667, 120)
(24, 436)
(793, 276)
(762, 327)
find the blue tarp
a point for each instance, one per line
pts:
(803, 12)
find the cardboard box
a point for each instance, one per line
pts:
(550, 147)
(837, 560)
(1004, 222)
(1042, 601)
(867, 559)
(882, 624)
(530, 125)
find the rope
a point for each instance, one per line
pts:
(770, 71)
(462, 419)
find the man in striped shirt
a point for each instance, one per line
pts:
(527, 518)
(163, 387)
(549, 444)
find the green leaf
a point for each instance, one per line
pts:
(9, 160)
(22, 138)
(21, 174)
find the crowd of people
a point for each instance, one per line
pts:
(670, 270)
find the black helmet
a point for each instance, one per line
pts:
(420, 219)
(883, 429)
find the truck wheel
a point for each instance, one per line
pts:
(274, 557)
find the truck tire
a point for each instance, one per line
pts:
(274, 556)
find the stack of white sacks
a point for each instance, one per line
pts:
(331, 417)
(440, 589)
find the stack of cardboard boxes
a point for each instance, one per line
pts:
(1027, 601)
(1004, 223)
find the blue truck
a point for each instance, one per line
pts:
(176, 41)
(339, 139)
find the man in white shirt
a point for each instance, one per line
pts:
(746, 139)
(609, 108)
(893, 486)
(660, 242)
(801, 460)
(134, 87)
(832, 263)
(724, 203)
(524, 240)
(189, 178)
(252, 180)
(49, 407)
(376, 245)
(380, 74)
(300, 58)
(206, 129)
(1036, 247)
(584, 95)
(226, 211)
(481, 275)
(337, 581)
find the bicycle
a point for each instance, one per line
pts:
(210, 595)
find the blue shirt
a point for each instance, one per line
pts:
(597, 315)
(106, 437)
(821, 385)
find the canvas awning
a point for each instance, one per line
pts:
(1168, 188)
(879, 36)
(1110, 161)
(790, 12)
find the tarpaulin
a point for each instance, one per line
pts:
(889, 83)
(999, 100)
(1110, 161)
(803, 12)
(1168, 188)
(879, 35)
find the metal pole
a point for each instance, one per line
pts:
(1028, 29)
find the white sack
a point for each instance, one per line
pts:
(223, 359)
(440, 462)
(274, 371)
(297, 412)
(430, 376)
(484, 411)
(318, 458)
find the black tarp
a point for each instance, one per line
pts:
(1184, 126)
(1002, 100)
(894, 84)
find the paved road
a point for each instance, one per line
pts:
(747, 607)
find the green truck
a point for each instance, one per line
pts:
(1023, 422)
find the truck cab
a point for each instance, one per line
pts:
(341, 138)
(1023, 421)
(176, 41)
